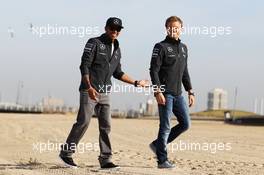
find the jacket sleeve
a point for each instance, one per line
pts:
(118, 73)
(186, 81)
(88, 56)
(155, 64)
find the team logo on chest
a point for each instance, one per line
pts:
(115, 54)
(169, 49)
(102, 46)
(183, 51)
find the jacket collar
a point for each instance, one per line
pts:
(172, 40)
(106, 40)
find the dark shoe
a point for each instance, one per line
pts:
(109, 165)
(68, 161)
(166, 165)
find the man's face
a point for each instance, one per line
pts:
(112, 31)
(174, 29)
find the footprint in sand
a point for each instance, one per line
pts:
(199, 165)
(219, 169)
(132, 156)
(241, 164)
(213, 162)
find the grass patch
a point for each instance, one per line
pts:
(221, 113)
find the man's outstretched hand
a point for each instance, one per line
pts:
(143, 83)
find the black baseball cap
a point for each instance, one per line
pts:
(113, 21)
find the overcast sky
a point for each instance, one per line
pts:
(49, 65)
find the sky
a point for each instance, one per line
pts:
(49, 64)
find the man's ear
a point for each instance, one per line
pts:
(105, 28)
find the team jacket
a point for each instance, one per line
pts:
(99, 64)
(168, 66)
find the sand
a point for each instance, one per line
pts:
(241, 149)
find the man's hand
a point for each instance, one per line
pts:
(191, 100)
(160, 98)
(143, 83)
(93, 94)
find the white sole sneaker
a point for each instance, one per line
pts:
(67, 165)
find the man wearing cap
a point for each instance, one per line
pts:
(100, 61)
(168, 71)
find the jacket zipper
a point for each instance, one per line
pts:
(178, 55)
(109, 65)
(109, 68)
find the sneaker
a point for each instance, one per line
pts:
(68, 161)
(153, 148)
(166, 164)
(109, 165)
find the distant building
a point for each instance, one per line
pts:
(142, 108)
(116, 113)
(6, 105)
(51, 104)
(133, 114)
(16, 108)
(47, 105)
(151, 108)
(217, 99)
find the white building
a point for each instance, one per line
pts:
(51, 104)
(151, 108)
(142, 108)
(217, 99)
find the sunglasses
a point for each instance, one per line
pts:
(115, 28)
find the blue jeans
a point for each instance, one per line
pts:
(178, 106)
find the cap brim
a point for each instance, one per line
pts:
(119, 26)
(114, 25)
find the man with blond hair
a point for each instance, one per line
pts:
(168, 71)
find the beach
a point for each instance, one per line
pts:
(30, 145)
